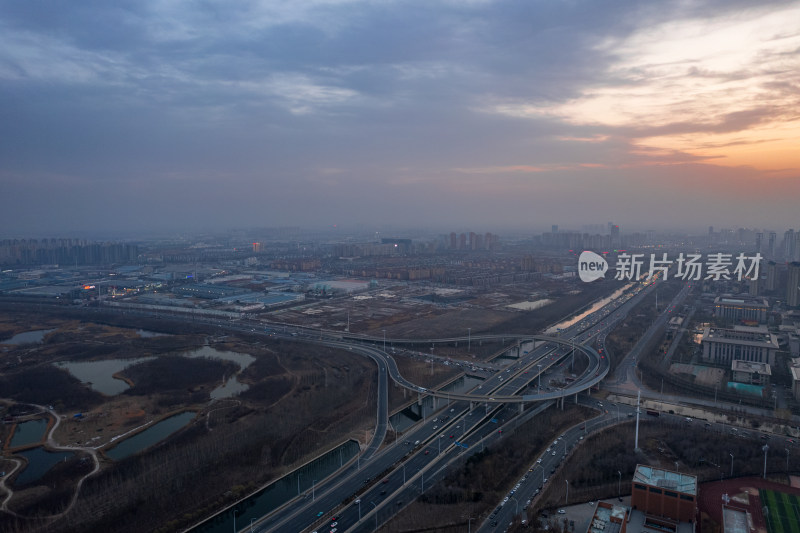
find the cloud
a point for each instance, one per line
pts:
(335, 106)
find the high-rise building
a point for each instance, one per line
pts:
(453, 241)
(789, 244)
(771, 245)
(796, 252)
(615, 240)
(793, 285)
(554, 228)
(752, 286)
(759, 239)
(772, 275)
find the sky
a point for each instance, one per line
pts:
(452, 114)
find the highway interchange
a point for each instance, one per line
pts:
(368, 493)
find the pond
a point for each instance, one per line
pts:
(29, 432)
(101, 373)
(232, 386)
(28, 337)
(150, 436)
(39, 462)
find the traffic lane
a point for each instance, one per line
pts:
(352, 482)
(410, 465)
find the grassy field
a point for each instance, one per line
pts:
(781, 511)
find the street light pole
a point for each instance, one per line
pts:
(566, 498)
(619, 484)
(298, 483)
(469, 527)
(765, 448)
(235, 512)
(251, 524)
(312, 489)
(540, 379)
(731, 464)
(787, 460)
(384, 340)
(359, 509)
(469, 338)
(376, 515)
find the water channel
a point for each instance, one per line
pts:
(281, 491)
(150, 436)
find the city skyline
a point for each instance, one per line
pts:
(451, 114)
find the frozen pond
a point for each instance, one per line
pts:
(530, 306)
(145, 334)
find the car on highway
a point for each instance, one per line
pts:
(562, 511)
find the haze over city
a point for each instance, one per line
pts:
(157, 115)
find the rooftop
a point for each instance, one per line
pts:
(734, 520)
(753, 367)
(666, 479)
(607, 518)
(743, 335)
